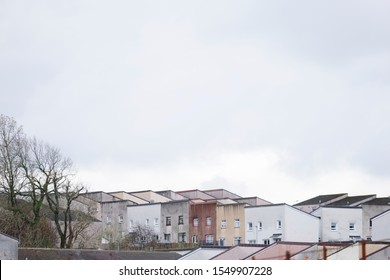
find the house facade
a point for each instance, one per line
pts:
(145, 216)
(339, 224)
(175, 221)
(267, 224)
(380, 227)
(202, 219)
(230, 223)
(372, 209)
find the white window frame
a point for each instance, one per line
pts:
(237, 223)
(155, 223)
(250, 226)
(209, 221)
(333, 226)
(259, 225)
(279, 224)
(195, 222)
(120, 219)
(352, 226)
(223, 224)
(209, 239)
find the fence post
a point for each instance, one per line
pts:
(324, 253)
(288, 255)
(364, 254)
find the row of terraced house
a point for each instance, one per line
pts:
(220, 217)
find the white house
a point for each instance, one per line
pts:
(339, 223)
(266, 224)
(380, 227)
(148, 215)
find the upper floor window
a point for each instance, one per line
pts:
(250, 226)
(168, 221)
(278, 224)
(120, 219)
(195, 222)
(208, 221)
(147, 222)
(155, 222)
(259, 225)
(236, 223)
(181, 220)
(223, 224)
(351, 226)
(333, 226)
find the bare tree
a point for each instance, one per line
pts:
(33, 173)
(12, 139)
(141, 236)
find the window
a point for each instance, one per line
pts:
(195, 222)
(120, 219)
(223, 224)
(155, 222)
(147, 222)
(351, 226)
(266, 241)
(278, 224)
(108, 219)
(181, 220)
(209, 239)
(131, 223)
(167, 237)
(333, 226)
(252, 241)
(236, 223)
(259, 225)
(250, 226)
(182, 237)
(237, 240)
(194, 239)
(208, 221)
(168, 221)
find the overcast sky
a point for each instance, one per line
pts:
(284, 100)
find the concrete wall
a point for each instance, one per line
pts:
(296, 225)
(201, 211)
(230, 212)
(370, 211)
(114, 221)
(8, 248)
(381, 227)
(342, 216)
(268, 216)
(174, 210)
(300, 226)
(140, 214)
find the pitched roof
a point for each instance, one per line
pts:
(378, 201)
(353, 200)
(321, 199)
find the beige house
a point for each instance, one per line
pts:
(230, 227)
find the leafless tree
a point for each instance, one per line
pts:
(141, 236)
(33, 173)
(12, 139)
